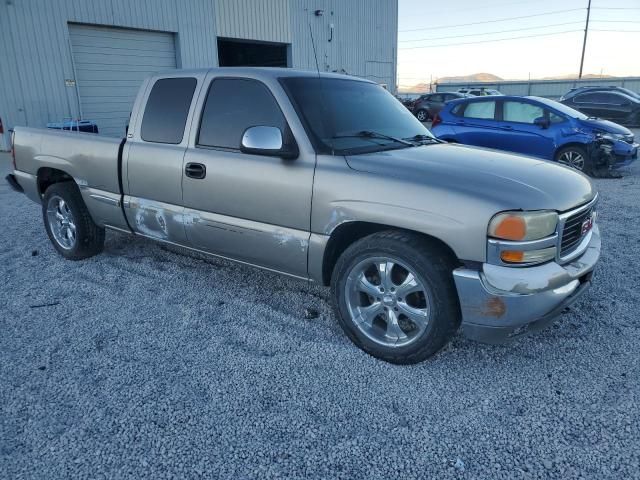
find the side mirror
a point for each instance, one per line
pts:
(541, 122)
(268, 141)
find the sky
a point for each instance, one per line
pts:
(428, 31)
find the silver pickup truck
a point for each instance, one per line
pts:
(327, 178)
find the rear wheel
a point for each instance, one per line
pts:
(68, 223)
(575, 157)
(422, 115)
(394, 296)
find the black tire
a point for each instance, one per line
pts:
(576, 150)
(89, 237)
(433, 265)
(423, 115)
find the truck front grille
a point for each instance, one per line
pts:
(572, 231)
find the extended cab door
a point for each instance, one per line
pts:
(154, 154)
(247, 207)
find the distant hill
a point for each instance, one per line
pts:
(474, 77)
(490, 78)
(573, 76)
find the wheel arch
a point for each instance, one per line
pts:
(573, 143)
(47, 176)
(350, 232)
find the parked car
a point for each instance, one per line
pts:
(408, 100)
(426, 106)
(479, 91)
(532, 126)
(415, 236)
(618, 104)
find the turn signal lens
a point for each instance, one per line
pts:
(512, 256)
(528, 256)
(523, 226)
(511, 227)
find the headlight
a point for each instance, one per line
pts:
(523, 226)
(610, 136)
(522, 238)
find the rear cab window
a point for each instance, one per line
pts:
(167, 109)
(233, 105)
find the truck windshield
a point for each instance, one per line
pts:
(347, 117)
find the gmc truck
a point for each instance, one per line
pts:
(327, 178)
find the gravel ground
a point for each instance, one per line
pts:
(146, 362)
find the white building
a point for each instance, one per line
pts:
(63, 59)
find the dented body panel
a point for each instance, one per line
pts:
(496, 301)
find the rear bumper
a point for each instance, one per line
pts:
(499, 304)
(24, 183)
(13, 183)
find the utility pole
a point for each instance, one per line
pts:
(584, 42)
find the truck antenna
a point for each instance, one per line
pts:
(315, 54)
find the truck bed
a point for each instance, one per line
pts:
(90, 160)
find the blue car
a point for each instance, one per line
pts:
(532, 126)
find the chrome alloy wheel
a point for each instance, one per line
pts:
(571, 158)
(422, 116)
(61, 222)
(387, 301)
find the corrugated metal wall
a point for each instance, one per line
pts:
(36, 52)
(268, 21)
(553, 89)
(36, 59)
(362, 42)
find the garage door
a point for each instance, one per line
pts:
(110, 64)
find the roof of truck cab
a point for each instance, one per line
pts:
(260, 72)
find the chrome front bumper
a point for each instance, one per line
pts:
(499, 303)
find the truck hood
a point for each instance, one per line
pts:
(509, 181)
(603, 125)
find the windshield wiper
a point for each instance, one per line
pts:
(374, 135)
(423, 138)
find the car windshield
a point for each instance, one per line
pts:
(562, 108)
(630, 93)
(346, 117)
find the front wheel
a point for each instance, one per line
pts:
(394, 296)
(575, 157)
(70, 227)
(422, 115)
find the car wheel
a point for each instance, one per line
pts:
(575, 157)
(394, 296)
(422, 115)
(68, 223)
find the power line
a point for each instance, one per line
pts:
(491, 33)
(489, 41)
(616, 8)
(615, 21)
(616, 31)
(494, 21)
(483, 7)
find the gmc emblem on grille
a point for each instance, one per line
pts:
(586, 225)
